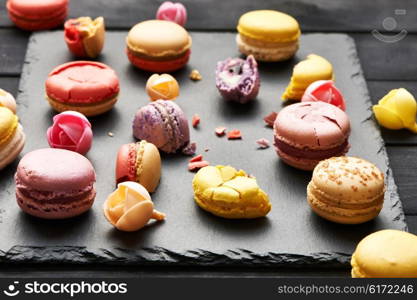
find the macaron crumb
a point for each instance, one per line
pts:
(196, 158)
(234, 134)
(195, 75)
(206, 150)
(220, 131)
(110, 134)
(195, 166)
(263, 143)
(195, 120)
(269, 119)
(190, 149)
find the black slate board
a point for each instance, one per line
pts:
(290, 236)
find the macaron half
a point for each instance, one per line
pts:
(268, 35)
(308, 132)
(164, 124)
(88, 87)
(55, 183)
(139, 162)
(158, 46)
(346, 190)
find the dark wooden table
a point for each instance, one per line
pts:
(385, 65)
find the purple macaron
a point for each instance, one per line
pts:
(238, 79)
(164, 124)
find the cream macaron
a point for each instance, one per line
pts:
(346, 190)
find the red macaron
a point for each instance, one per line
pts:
(37, 15)
(308, 132)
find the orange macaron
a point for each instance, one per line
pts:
(158, 46)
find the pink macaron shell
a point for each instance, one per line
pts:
(316, 125)
(55, 170)
(35, 9)
(175, 12)
(82, 82)
(71, 131)
(326, 91)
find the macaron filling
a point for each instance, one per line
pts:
(238, 79)
(308, 153)
(140, 149)
(51, 196)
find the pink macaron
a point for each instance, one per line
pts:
(37, 14)
(55, 183)
(308, 132)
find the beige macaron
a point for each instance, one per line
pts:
(346, 190)
(387, 254)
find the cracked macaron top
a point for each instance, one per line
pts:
(164, 124)
(312, 125)
(82, 82)
(238, 79)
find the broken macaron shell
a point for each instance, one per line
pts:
(238, 79)
(326, 91)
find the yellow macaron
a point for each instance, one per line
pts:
(387, 254)
(313, 68)
(346, 190)
(229, 193)
(12, 138)
(268, 35)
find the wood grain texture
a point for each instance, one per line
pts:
(12, 51)
(387, 61)
(404, 165)
(319, 15)
(10, 84)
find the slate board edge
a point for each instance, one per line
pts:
(160, 256)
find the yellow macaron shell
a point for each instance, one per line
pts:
(386, 254)
(158, 39)
(313, 68)
(228, 193)
(269, 25)
(8, 124)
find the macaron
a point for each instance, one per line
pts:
(7, 100)
(55, 183)
(139, 162)
(229, 193)
(238, 79)
(88, 87)
(164, 87)
(306, 133)
(130, 207)
(313, 68)
(84, 36)
(158, 46)
(268, 35)
(346, 190)
(12, 138)
(37, 15)
(386, 254)
(164, 124)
